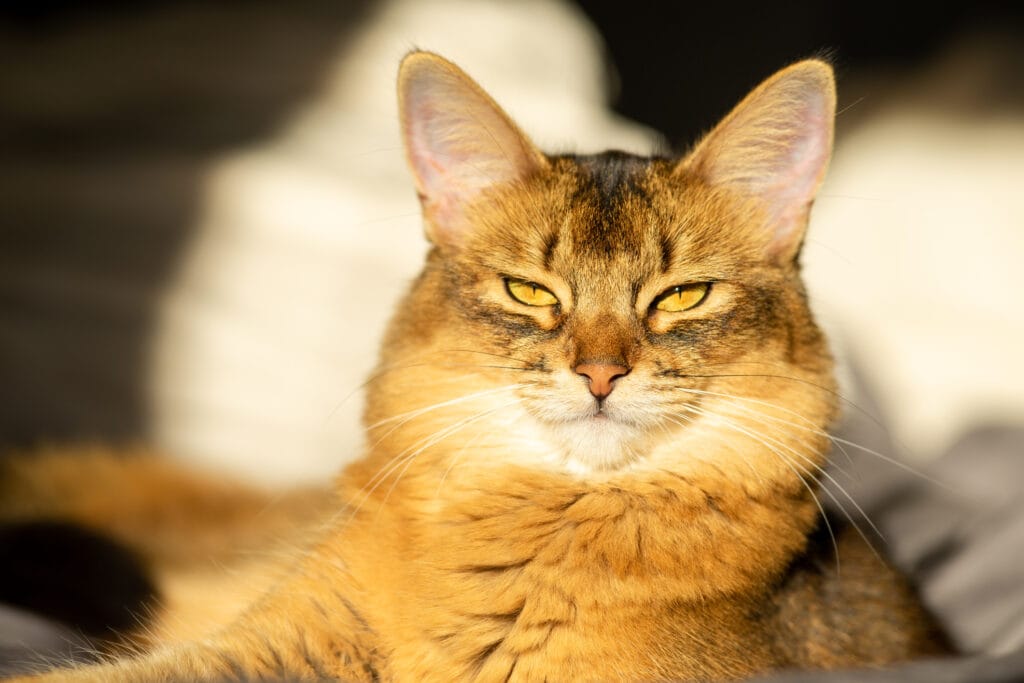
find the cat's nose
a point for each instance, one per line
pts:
(601, 376)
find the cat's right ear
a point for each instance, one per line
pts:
(458, 142)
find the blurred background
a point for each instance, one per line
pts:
(205, 214)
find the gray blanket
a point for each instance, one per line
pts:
(956, 525)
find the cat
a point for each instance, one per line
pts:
(596, 431)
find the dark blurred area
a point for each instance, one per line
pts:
(679, 66)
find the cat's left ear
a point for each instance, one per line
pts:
(458, 141)
(775, 146)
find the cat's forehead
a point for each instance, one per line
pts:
(630, 209)
(612, 175)
(613, 217)
(611, 208)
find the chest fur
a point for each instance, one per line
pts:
(577, 584)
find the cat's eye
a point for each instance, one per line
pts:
(682, 297)
(529, 293)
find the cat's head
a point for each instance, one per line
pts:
(608, 312)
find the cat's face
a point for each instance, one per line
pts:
(606, 312)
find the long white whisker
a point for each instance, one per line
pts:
(382, 473)
(440, 436)
(405, 418)
(383, 370)
(811, 426)
(838, 441)
(793, 467)
(462, 451)
(801, 380)
(412, 414)
(902, 465)
(404, 459)
(675, 418)
(765, 439)
(832, 479)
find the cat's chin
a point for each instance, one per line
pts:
(596, 443)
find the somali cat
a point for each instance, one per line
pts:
(596, 430)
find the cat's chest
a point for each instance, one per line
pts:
(547, 637)
(558, 544)
(563, 592)
(524, 625)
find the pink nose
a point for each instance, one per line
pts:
(601, 376)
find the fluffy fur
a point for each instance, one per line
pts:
(595, 489)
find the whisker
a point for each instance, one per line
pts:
(383, 371)
(809, 427)
(412, 414)
(757, 475)
(802, 380)
(405, 458)
(839, 486)
(839, 442)
(437, 438)
(451, 465)
(793, 467)
(902, 465)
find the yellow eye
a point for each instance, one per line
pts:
(529, 293)
(682, 297)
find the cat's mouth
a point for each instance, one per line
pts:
(598, 414)
(582, 414)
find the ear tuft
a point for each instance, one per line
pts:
(775, 146)
(458, 141)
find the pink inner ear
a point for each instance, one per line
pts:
(775, 145)
(459, 142)
(809, 150)
(444, 172)
(799, 175)
(422, 143)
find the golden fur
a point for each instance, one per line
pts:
(507, 522)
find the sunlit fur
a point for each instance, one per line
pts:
(504, 523)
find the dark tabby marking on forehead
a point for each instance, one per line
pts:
(613, 173)
(605, 182)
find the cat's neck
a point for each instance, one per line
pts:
(659, 532)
